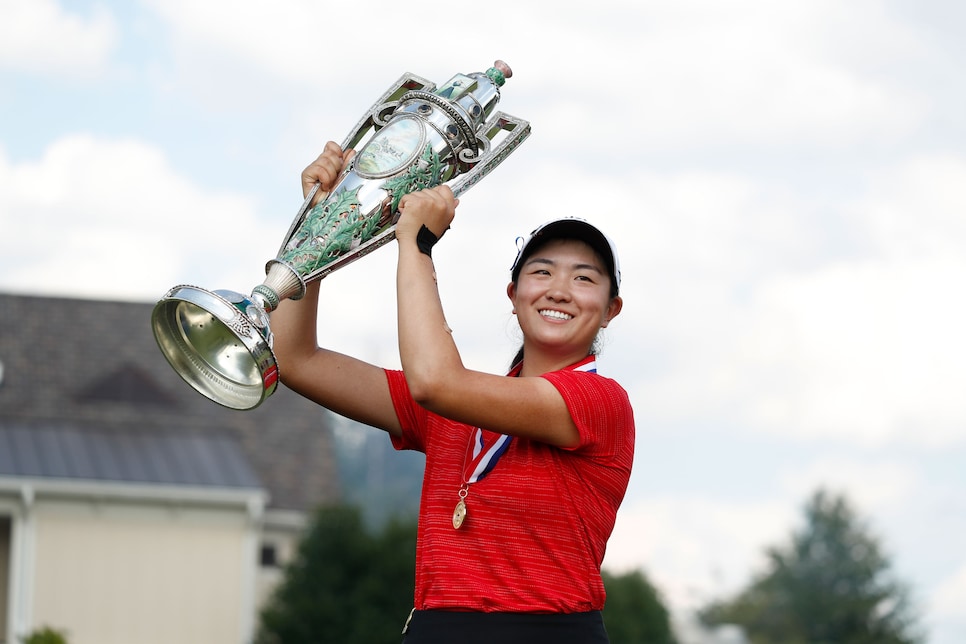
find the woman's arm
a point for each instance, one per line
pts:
(527, 407)
(343, 384)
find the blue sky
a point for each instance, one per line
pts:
(786, 183)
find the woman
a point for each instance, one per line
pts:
(524, 474)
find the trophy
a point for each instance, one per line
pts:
(415, 136)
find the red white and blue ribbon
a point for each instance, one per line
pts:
(487, 447)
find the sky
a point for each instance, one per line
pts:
(786, 183)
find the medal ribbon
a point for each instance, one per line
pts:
(486, 448)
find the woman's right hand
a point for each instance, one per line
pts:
(325, 170)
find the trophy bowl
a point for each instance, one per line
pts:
(415, 136)
(219, 342)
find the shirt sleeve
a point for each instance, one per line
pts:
(601, 410)
(412, 417)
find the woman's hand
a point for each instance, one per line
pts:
(325, 170)
(434, 208)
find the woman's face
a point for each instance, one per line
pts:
(562, 298)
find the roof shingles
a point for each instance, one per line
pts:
(86, 394)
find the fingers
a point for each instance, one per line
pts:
(434, 208)
(325, 170)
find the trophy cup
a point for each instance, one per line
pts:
(416, 136)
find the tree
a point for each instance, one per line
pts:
(830, 583)
(634, 612)
(345, 584)
(46, 635)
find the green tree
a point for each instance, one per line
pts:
(831, 583)
(634, 613)
(46, 635)
(345, 584)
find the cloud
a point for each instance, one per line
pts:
(649, 76)
(915, 210)
(870, 486)
(949, 598)
(695, 549)
(864, 350)
(41, 36)
(111, 218)
(856, 340)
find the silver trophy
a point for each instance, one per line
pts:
(415, 136)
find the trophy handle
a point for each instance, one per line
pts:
(374, 119)
(503, 133)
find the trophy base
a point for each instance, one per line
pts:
(219, 342)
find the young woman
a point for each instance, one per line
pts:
(524, 472)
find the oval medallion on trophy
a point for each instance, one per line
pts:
(392, 149)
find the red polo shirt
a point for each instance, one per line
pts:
(537, 525)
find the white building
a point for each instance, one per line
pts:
(132, 509)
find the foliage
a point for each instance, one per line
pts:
(830, 583)
(634, 611)
(350, 584)
(46, 635)
(345, 584)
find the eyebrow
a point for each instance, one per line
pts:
(550, 262)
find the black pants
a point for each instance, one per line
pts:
(449, 627)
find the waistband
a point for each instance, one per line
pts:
(443, 626)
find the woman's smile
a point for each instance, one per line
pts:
(554, 314)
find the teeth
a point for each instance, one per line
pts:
(559, 315)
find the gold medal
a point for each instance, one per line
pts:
(459, 514)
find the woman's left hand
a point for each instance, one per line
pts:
(434, 208)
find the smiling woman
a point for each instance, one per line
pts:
(588, 256)
(524, 472)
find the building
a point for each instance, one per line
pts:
(133, 509)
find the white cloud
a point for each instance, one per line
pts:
(695, 549)
(862, 350)
(864, 346)
(949, 598)
(113, 219)
(42, 36)
(916, 209)
(686, 75)
(870, 486)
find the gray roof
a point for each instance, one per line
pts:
(87, 395)
(66, 450)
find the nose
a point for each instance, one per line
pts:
(557, 290)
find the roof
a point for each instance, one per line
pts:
(67, 450)
(86, 394)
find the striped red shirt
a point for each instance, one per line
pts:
(537, 525)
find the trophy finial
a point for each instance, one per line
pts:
(499, 72)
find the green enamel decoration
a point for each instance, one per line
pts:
(496, 76)
(331, 229)
(426, 173)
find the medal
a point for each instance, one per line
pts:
(485, 449)
(482, 453)
(459, 514)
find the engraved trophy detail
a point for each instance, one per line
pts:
(415, 136)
